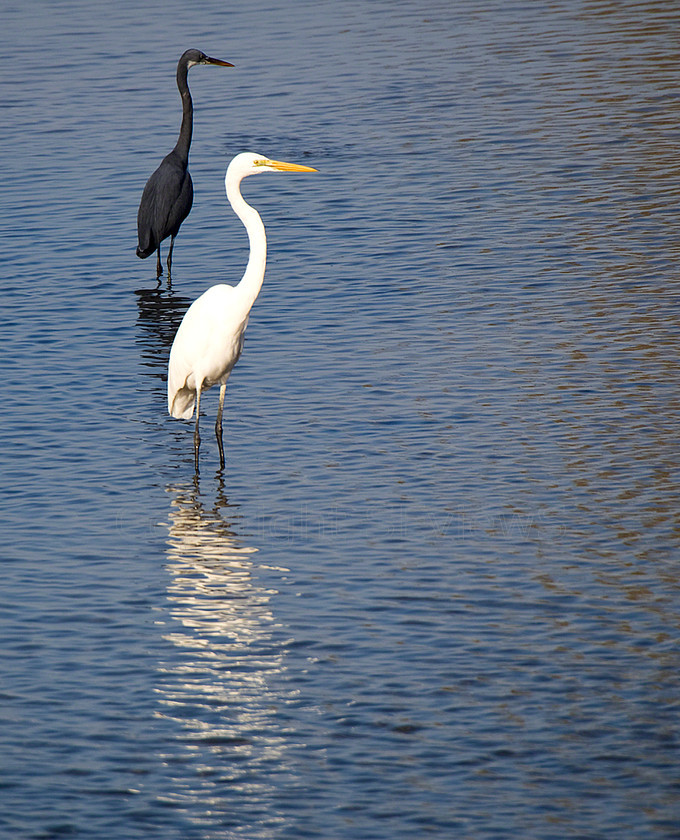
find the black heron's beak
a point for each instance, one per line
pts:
(218, 62)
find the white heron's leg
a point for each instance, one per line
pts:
(197, 437)
(218, 423)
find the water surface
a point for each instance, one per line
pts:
(435, 593)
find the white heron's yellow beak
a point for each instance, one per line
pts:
(282, 166)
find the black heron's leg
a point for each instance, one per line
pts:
(197, 437)
(159, 267)
(218, 424)
(172, 245)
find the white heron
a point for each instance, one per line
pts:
(209, 340)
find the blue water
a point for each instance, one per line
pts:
(436, 591)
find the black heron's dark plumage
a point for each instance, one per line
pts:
(169, 193)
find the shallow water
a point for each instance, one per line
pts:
(435, 592)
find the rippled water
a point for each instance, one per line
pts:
(435, 594)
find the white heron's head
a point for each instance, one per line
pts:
(250, 163)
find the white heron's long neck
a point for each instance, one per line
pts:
(251, 282)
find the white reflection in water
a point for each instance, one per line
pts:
(223, 689)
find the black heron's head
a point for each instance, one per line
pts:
(193, 57)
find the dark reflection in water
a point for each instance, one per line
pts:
(217, 690)
(160, 314)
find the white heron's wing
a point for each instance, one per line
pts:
(206, 347)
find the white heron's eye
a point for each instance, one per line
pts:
(260, 162)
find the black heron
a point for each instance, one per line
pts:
(169, 193)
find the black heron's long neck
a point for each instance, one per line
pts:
(185, 131)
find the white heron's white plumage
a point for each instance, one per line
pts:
(206, 348)
(209, 340)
